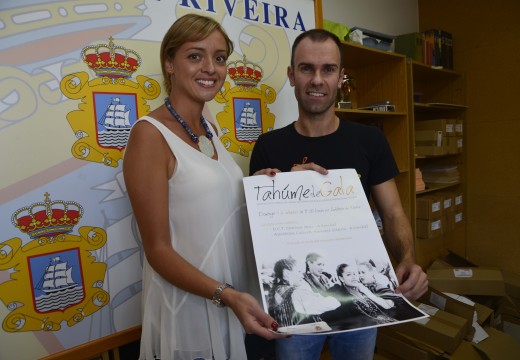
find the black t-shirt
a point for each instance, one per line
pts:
(352, 145)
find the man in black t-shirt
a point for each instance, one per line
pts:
(318, 140)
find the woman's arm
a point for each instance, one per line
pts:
(148, 164)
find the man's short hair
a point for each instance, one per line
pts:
(317, 35)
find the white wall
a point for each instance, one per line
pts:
(392, 17)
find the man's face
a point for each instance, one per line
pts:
(316, 267)
(316, 75)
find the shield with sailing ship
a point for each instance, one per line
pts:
(115, 115)
(56, 280)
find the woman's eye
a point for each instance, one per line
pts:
(194, 57)
(221, 59)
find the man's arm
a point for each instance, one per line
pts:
(399, 239)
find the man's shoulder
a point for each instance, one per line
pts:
(349, 125)
(273, 134)
(361, 132)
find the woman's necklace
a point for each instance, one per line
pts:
(203, 142)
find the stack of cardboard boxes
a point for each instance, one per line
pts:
(438, 213)
(438, 137)
(474, 315)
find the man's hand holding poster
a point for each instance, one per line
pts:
(321, 260)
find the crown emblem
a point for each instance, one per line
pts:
(48, 218)
(244, 73)
(110, 60)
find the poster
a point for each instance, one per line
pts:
(321, 260)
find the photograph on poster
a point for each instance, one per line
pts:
(321, 261)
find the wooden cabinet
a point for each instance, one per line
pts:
(419, 93)
(382, 76)
(437, 97)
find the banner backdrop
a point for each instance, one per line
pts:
(74, 78)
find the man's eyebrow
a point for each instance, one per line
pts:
(323, 65)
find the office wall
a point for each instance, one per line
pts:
(392, 17)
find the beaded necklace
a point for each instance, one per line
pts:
(203, 142)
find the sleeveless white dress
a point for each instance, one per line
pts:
(209, 228)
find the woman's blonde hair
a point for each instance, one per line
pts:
(188, 28)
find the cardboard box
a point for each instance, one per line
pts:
(454, 145)
(468, 281)
(457, 305)
(485, 315)
(430, 150)
(451, 145)
(440, 334)
(448, 202)
(482, 314)
(429, 207)
(507, 305)
(459, 127)
(458, 217)
(439, 264)
(395, 345)
(465, 351)
(498, 346)
(430, 143)
(450, 127)
(448, 222)
(429, 137)
(458, 199)
(509, 325)
(449, 307)
(456, 260)
(512, 281)
(433, 124)
(428, 229)
(444, 316)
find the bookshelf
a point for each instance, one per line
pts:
(439, 94)
(381, 76)
(419, 92)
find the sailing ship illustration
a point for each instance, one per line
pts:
(116, 116)
(57, 277)
(248, 117)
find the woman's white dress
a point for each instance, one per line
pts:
(209, 228)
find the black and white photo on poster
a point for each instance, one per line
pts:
(320, 257)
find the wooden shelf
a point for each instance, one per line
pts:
(419, 157)
(437, 187)
(438, 106)
(382, 76)
(424, 71)
(437, 94)
(356, 114)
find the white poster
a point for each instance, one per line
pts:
(321, 260)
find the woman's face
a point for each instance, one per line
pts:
(199, 68)
(293, 276)
(366, 275)
(350, 277)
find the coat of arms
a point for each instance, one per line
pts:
(55, 276)
(246, 114)
(110, 104)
